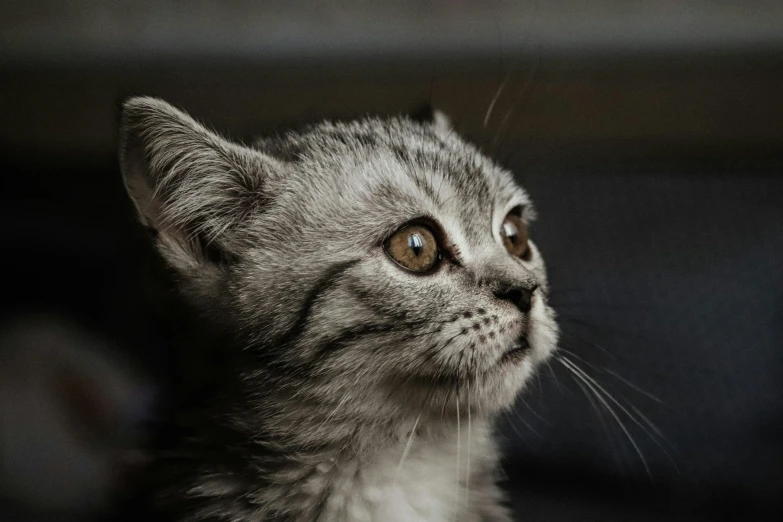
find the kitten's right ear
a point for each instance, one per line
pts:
(191, 186)
(430, 115)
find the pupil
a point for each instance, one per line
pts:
(415, 243)
(511, 232)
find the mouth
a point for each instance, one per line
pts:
(517, 352)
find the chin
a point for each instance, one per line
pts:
(516, 367)
(491, 393)
(493, 384)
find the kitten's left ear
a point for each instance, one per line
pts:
(188, 184)
(432, 116)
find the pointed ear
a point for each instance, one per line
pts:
(430, 115)
(189, 185)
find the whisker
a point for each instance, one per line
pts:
(467, 470)
(437, 348)
(633, 386)
(659, 440)
(459, 369)
(527, 425)
(587, 381)
(554, 375)
(582, 359)
(574, 337)
(660, 436)
(407, 448)
(422, 322)
(456, 496)
(534, 412)
(595, 305)
(423, 334)
(582, 322)
(614, 374)
(515, 105)
(604, 369)
(495, 98)
(446, 399)
(604, 426)
(510, 419)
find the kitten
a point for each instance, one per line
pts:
(375, 303)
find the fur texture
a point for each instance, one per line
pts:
(352, 389)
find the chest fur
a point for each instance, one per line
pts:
(451, 477)
(430, 481)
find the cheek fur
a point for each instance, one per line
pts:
(544, 332)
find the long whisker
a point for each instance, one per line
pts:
(503, 129)
(514, 427)
(600, 416)
(595, 305)
(633, 386)
(609, 396)
(564, 317)
(649, 424)
(495, 98)
(661, 437)
(467, 470)
(589, 343)
(562, 349)
(534, 412)
(528, 426)
(587, 381)
(554, 375)
(407, 447)
(563, 333)
(602, 369)
(456, 496)
(452, 388)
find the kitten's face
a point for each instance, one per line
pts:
(380, 263)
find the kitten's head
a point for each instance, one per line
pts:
(380, 263)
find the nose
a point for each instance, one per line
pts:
(521, 296)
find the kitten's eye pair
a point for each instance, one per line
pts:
(415, 247)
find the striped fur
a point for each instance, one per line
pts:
(353, 390)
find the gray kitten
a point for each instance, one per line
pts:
(378, 303)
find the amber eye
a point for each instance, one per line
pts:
(413, 247)
(514, 235)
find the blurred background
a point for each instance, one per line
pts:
(650, 135)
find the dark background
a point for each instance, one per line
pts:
(650, 135)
